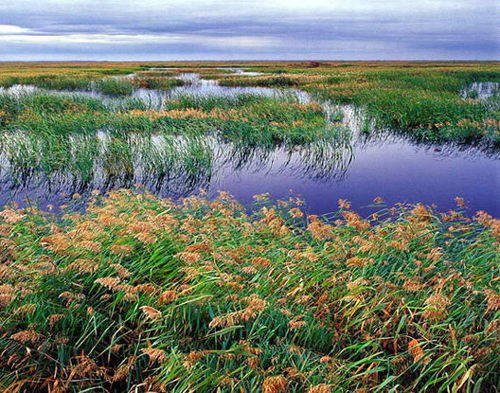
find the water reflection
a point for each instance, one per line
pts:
(168, 165)
(386, 165)
(231, 70)
(349, 166)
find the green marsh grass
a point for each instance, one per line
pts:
(114, 86)
(407, 96)
(256, 119)
(420, 97)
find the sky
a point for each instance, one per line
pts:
(249, 30)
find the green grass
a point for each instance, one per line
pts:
(158, 82)
(243, 117)
(422, 98)
(115, 86)
(201, 296)
(52, 82)
(276, 81)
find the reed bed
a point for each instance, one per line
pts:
(132, 293)
(426, 101)
(141, 294)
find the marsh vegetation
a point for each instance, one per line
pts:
(125, 269)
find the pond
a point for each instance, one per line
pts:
(392, 168)
(357, 167)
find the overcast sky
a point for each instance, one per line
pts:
(249, 29)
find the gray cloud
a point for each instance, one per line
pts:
(277, 29)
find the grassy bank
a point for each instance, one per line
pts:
(142, 294)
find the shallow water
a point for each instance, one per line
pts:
(199, 87)
(241, 71)
(395, 170)
(155, 98)
(481, 90)
(358, 168)
(233, 70)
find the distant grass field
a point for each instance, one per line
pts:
(422, 98)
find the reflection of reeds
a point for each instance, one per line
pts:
(173, 165)
(165, 164)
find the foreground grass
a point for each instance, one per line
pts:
(143, 294)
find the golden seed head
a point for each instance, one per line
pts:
(167, 297)
(111, 283)
(322, 388)
(155, 355)
(276, 384)
(151, 313)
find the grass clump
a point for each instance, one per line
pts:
(114, 86)
(50, 82)
(268, 81)
(435, 116)
(143, 294)
(158, 82)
